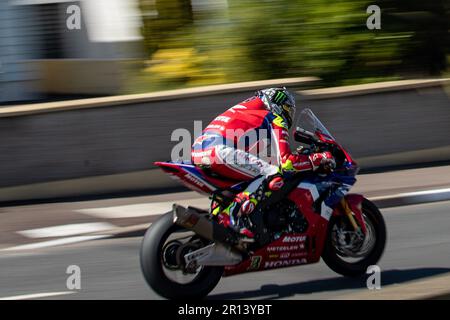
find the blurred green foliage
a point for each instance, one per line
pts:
(261, 39)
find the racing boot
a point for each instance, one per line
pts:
(245, 203)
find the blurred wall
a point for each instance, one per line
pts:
(385, 123)
(128, 138)
(79, 76)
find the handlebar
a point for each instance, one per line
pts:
(309, 138)
(316, 145)
(303, 136)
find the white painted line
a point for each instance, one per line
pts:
(129, 229)
(57, 242)
(37, 295)
(139, 210)
(67, 230)
(129, 211)
(412, 194)
(424, 192)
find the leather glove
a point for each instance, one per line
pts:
(328, 164)
(322, 160)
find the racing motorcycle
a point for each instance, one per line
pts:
(185, 253)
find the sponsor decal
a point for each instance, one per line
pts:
(201, 153)
(284, 248)
(299, 254)
(194, 256)
(222, 118)
(255, 263)
(294, 239)
(284, 263)
(301, 164)
(285, 255)
(215, 126)
(238, 106)
(273, 256)
(194, 180)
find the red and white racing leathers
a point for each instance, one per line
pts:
(235, 144)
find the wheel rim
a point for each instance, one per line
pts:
(176, 245)
(349, 246)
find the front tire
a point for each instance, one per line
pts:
(334, 258)
(152, 265)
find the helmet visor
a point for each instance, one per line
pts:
(289, 108)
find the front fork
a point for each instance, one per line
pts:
(352, 207)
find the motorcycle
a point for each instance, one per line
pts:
(187, 251)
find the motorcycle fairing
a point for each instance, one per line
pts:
(293, 249)
(289, 250)
(285, 251)
(196, 179)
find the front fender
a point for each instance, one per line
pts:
(355, 203)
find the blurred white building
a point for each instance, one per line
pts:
(42, 50)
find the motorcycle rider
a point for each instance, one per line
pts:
(222, 150)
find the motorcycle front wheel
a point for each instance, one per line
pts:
(348, 254)
(163, 246)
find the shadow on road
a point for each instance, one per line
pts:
(273, 291)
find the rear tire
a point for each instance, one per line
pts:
(152, 265)
(330, 254)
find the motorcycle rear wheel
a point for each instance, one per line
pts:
(152, 265)
(334, 258)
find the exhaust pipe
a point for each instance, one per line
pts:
(189, 218)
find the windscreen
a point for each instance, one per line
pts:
(308, 121)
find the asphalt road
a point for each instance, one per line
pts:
(40, 223)
(418, 247)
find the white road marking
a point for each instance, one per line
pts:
(37, 295)
(53, 243)
(412, 194)
(129, 211)
(67, 230)
(139, 210)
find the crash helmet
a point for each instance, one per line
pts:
(280, 102)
